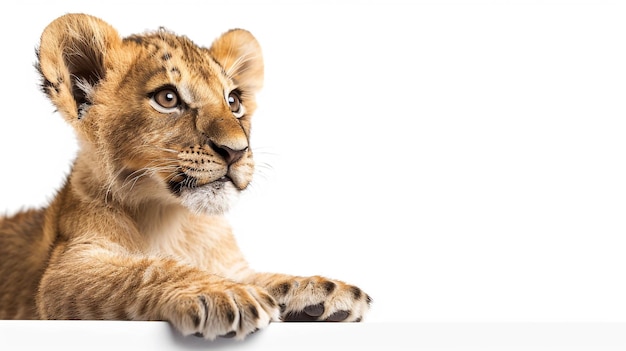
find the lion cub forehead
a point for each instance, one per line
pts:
(186, 65)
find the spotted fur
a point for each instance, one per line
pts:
(137, 231)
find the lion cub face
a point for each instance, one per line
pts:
(158, 117)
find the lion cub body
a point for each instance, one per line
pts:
(137, 231)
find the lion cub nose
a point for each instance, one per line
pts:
(229, 155)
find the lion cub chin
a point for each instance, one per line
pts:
(137, 232)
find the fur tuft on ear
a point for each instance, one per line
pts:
(72, 59)
(240, 55)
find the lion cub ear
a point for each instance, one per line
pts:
(240, 55)
(72, 58)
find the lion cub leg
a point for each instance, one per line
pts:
(137, 288)
(314, 298)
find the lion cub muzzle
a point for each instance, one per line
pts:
(224, 154)
(200, 165)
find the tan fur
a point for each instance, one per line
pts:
(137, 231)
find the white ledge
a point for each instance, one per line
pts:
(117, 335)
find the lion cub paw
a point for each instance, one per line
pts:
(231, 312)
(320, 299)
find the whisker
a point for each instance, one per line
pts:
(260, 150)
(150, 171)
(239, 62)
(161, 165)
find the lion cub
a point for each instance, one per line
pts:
(137, 231)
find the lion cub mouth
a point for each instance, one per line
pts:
(207, 181)
(184, 182)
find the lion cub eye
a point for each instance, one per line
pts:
(165, 100)
(234, 101)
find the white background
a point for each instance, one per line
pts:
(460, 161)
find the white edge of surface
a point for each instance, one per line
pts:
(119, 335)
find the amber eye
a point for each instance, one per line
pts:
(235, 104)
(166, 98)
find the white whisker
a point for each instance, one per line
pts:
(239, 62)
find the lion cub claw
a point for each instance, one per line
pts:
(233, 312)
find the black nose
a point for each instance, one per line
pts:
(230, 156)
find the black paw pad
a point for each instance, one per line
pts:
(338, 316)
(314, 310)
(229, 335)
(299, 316)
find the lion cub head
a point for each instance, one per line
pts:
(157, 117)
